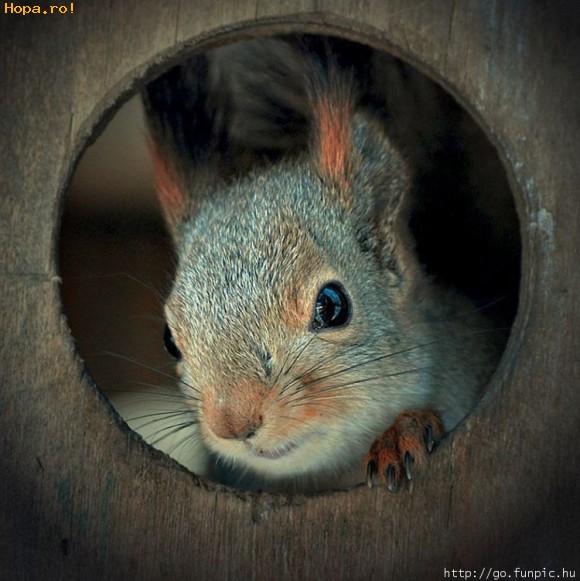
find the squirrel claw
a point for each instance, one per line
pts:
(429, 441)
(409, 461)
(403, 449)
(371, 471)
(392, 480)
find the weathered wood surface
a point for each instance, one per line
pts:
(80, 498)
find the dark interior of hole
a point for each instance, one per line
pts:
(469, 236)
(463, 220)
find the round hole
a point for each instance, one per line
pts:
(438, 266)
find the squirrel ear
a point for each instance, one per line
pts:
(169, 192)
(335, 74)
(188, 138)
(332, 145)
(381, 185)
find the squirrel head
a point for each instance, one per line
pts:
(291, 310)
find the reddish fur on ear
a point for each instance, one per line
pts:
(334, 143)
(169, 192)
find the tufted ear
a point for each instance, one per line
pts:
(170, 192)
(187, 136)
(350, 149)
(334, 71)
(332, 139)
(382, 185)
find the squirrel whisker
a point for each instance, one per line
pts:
(165, 392)
(194, 436)
(171, 430)
(163, 414)
(357, 382)
(283, 370)
(151, 368)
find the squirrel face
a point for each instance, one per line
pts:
(279, 312)
(301, 320)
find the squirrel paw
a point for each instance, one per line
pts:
(402, 449)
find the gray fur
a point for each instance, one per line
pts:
(254, 245)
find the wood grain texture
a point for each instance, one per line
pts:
(81, 498)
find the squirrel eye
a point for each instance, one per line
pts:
(170, 345)
(332, 308)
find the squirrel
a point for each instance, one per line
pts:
(313, 350)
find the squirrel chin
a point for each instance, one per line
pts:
(294, 458)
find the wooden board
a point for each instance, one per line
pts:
(81, 498)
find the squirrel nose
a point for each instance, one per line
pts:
(237, 415)
(230, 427)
